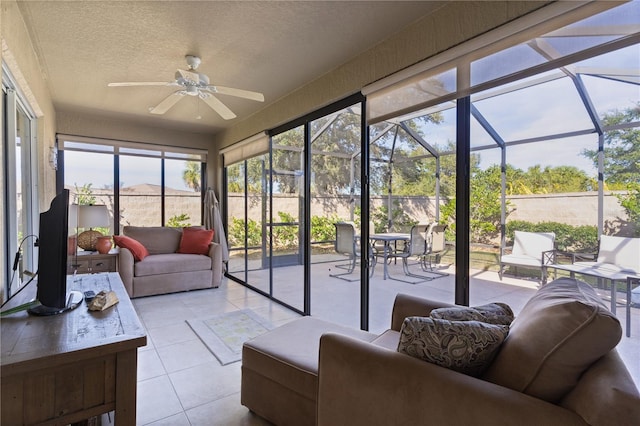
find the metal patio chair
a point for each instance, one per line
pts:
(436, 245)
(416, 247)
(349, 244)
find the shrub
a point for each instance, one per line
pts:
(322, 228)
(236, 233)
(179, 221)
(285, 236)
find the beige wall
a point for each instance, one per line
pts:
(19, 54)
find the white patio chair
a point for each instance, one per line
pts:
(528, 251)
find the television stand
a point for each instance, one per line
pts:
(74, 298)
(64, 369)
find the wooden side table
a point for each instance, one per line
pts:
(93, 262)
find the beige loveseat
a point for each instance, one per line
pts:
(558, 366)
(164, 270)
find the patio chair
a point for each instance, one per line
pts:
(528, 251)
(349, 244)
(436, 245)
(416, 247)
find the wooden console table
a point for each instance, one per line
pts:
(67, 368)
(92, 263)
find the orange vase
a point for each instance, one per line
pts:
(103, 245)
(72, 245)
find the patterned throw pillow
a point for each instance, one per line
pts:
(492, 313)
(464, 346)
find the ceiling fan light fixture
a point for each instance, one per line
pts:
(193, 61)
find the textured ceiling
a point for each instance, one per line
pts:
(273, 47)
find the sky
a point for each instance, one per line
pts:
(81, 168)
(552, 108)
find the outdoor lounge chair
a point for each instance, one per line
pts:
(618, 260)
(349, 244)
(528, 251)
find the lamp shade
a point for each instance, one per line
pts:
(91, 216)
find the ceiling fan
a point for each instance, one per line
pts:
(192, 83)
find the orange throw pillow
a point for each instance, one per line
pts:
(137, 249)
(195, 240)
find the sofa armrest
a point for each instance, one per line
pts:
(406, 305)
(125, 269)
(360, 383)
(215, 253)
(605, 394)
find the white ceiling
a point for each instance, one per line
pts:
(273, 47)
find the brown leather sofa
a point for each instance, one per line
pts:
(164, 270)
(558, 366)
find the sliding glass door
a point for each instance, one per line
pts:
(311, 179)
(19, 197)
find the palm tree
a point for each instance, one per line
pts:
(191, 175)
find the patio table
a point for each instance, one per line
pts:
(387, 238)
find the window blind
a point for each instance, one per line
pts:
(89, 144)
(251, 147)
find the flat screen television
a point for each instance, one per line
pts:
(52, 260)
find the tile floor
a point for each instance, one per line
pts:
(181, 383)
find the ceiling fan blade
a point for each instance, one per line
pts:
(167, 103)
(140, 83)
(189, 75)
(254, 96)
(219, 107)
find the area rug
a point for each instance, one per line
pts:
(224, 334)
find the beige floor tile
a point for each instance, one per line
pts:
(149, 365)
(156, 400)
(167, 314)
(179, 419)
(206, 383)
(225, 411)
(184, 355)
(171, 334)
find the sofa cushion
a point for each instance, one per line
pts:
(389, 339)
(157, 239)
(532, 244)
(492, 313)
(171, 263)
(195, 240)
(464, 346)
(137, 249)
(561, 331)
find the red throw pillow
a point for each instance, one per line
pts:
(137, 249)
(195, 240)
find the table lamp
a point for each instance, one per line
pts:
(91, 216)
